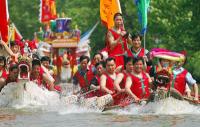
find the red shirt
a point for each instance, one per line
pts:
(39, 78)
(3, 74)
(140, 87)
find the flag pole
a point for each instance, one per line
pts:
(144, 42)
(119, 6)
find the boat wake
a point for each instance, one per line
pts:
(29, 95)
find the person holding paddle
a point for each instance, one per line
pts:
(107, 79)
(95, 82)
(137, 84)
(181, 77)
(83, 76)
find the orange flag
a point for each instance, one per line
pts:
(4, 20)
(107, 10)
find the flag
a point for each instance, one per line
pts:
(142, 6)
(15, 34)
(4, 20)
(47, 10)
(87, 35)
(107, 10)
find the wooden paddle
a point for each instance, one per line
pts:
(126, 103)
(191, 100)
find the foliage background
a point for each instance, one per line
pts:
(172, 24)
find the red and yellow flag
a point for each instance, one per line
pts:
(107, 10)
(15, 34)
(47, 10)
(4, 20)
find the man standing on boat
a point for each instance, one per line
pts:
(116, 40)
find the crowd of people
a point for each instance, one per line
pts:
(127, 72)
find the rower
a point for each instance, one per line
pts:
(181, 77)
(83, 76)
(137, 84)
(107, 79)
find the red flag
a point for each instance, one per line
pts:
(47, 10)
(4, 20)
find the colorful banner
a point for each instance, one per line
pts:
(47, 10)
(142, 6)
(107, 10)
(15, 34)
(4, 20)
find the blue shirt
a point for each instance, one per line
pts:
(189, 79)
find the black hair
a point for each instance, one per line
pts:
(35, 56)
(117, 14)
(126, 60)
(45, 58)
(109, 59)
(35, 62)
(135, 60)
(84, 57)
(98, 53)
(13, 43)
(136, 35)
(100, 63)
(3, 58)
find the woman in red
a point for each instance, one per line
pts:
(137, 84)
(116, 41)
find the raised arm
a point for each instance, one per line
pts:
(111, 40)
(10, 52)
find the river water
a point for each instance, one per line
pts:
(40, 108)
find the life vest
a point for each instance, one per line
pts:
(119, 49)
(39, 78)
(123, 82)
(109, 83)
(136, 55)
(120, 98)
(179, 81)
(97, 93)
(3, 74)
(84, 80)
(140, 86)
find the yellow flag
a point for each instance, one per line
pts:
(107, 10)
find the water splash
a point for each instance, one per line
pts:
(168, 106)
(30, 96)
